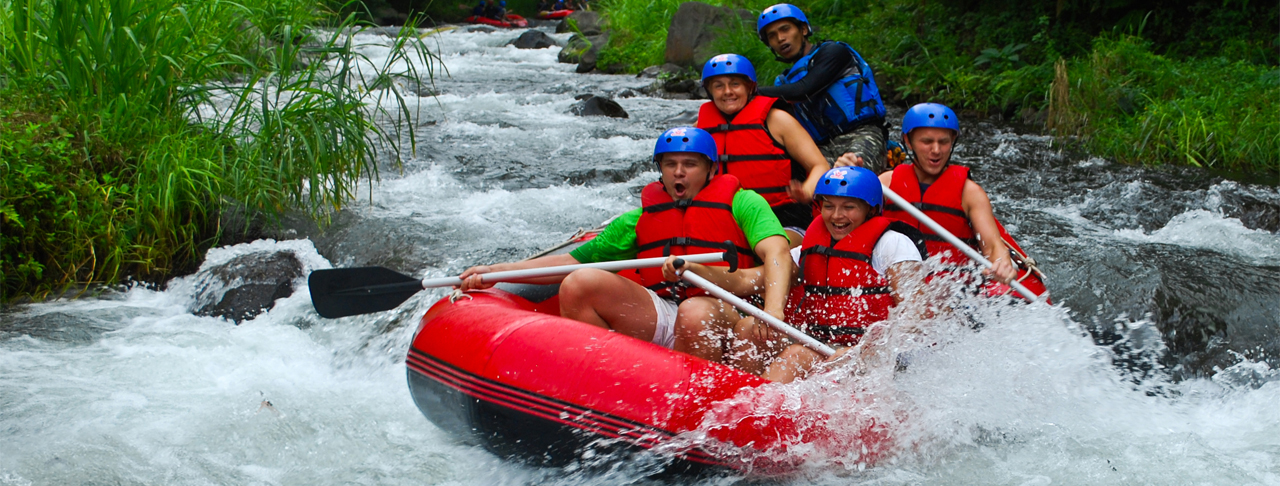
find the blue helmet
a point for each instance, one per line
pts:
(779, 12)
(728, 64)
(930, 115)
(686, 139)
(855, 182)
(502, 3)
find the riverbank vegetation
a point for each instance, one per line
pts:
(127, 127)
(1188, 82)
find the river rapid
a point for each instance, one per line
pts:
(1156, 365)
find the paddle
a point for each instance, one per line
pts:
(342, 292)
(722, 294)
(946, 235)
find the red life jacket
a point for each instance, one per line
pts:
(748, 151)
(689, 226)
(940, 202)
(840, 293)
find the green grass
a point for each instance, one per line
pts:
(107, 169)
(1139, 107)
(1205, 94)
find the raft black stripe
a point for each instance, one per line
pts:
(638, 433)
(836, 330)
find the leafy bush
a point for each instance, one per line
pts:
(110, 166)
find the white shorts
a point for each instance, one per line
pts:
(664, 334)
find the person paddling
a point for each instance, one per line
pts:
(688, 210)
(944, 192)
(831, 87)
(853, 266)
(760, 143)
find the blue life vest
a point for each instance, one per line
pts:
(850, 101)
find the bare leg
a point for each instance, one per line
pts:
(610, 301)
(794, 362)
(702, 327)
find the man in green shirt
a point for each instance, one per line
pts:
(687, 211)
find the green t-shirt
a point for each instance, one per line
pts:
(618, 240)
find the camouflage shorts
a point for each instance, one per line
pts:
(867, 141)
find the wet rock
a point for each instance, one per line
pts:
(680, 86)
(582, 50)
(581, 22)
(482, 29)
(533, 39)
(657, 71)
(695, 28)
(627, 93)
(247, 285)
(686, 118)
(592, 105)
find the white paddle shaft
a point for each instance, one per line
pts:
(791, 332)
(946, 235)
(510, 275)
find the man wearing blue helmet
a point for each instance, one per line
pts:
(944, 191)
(831, 87)
(760, 143)
(853, 266)
(688, 210)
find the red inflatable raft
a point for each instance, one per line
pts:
(502, 368)
(513, 20)
(554, 14)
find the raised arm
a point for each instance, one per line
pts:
(977, 206)
(774, 251)
(825, 67)
(799, 145)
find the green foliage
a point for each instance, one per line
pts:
(1199, 90)
(639, 27)
(1145, 108)
(109, 168)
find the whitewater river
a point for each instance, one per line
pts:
(1155, 366)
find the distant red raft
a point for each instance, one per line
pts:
(554, 14)
(502, 369)
(513, 20)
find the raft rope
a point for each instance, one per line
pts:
(1022, 260)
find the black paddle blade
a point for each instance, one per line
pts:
(342, 292)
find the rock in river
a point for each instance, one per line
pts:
(592, 105)
(246, 285)
(533, 39)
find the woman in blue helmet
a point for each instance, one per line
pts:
(688, 210)
(853, 266)
(831, 87)
(760, 143)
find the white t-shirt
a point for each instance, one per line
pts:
(893, 247)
